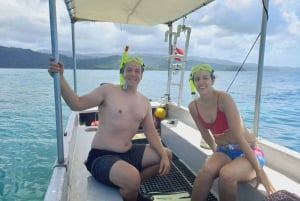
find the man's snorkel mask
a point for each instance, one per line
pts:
(196, 69)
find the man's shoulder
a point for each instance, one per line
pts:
(143, 97)
(109, 86)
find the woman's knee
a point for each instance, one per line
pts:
(208, 171)
(227, 176)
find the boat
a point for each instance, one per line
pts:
(70, 181)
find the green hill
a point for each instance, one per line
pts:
(11, 57)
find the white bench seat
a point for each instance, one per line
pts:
(82, 186)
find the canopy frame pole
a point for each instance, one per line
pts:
(183, 28)
(56, 78)
(169, 32)
(260, 66)
(74, 56)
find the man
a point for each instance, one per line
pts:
(113, 159)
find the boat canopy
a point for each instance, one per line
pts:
(135, 12)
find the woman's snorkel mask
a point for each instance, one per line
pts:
(196, 69)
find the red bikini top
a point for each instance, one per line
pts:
(219, 126)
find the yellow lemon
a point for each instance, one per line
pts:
(160, 113)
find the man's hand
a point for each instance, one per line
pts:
(55, 67)
(165, 166)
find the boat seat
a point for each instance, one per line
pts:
(84, 187)
(81, 184)
(184, 145)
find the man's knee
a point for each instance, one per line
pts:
(132, 181)
(125, 176)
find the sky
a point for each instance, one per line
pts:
(224, 29)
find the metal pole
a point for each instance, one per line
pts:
(74, 56)
(260, 65)
(56, 78)
(187, 42)
(168, 92)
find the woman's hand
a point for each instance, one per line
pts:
(263, 179)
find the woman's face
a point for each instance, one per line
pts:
(203, 81)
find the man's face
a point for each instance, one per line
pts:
(132, 73)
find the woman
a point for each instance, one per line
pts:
(236, 156)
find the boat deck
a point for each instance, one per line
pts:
(82, 186)
(184, 141)
(179, 181)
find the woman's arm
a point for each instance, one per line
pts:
(237, 129)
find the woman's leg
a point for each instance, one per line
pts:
(237, 170)
(207, 174)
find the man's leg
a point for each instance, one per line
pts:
(151, 162)
(127, 178)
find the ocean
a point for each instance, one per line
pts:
(27, 118)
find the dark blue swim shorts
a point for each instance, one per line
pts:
(99, 161)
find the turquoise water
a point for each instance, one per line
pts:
(27, 118)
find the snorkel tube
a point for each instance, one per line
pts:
(192, 86)
(124, 55)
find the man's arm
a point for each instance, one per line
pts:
(155, 142)
(74, 101)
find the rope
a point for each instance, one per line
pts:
(227, 90)
(240, 68)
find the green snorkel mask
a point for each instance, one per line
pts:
(135, 59)
(196, 69)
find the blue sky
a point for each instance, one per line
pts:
(223, 29)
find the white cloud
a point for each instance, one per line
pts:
(223, 29)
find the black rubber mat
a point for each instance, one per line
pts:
(179, 179)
